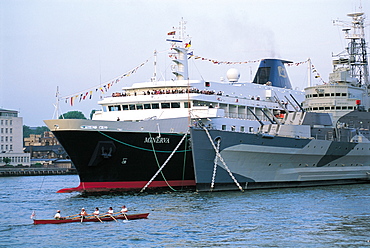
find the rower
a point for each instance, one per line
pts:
(96, 212)
(83, 213)
(57, 216)
(124, 210)
(110, 211)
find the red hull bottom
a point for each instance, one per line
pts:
(125, 186)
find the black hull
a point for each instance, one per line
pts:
(126, 161)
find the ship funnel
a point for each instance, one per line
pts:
(272, 72)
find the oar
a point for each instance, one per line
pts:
(98, 218)
(70, 216)
(125, 216)
(79, 216)
(114, 218)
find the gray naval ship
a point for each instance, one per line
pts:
(324, 142)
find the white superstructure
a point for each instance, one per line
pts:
(228, 105)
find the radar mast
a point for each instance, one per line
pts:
(354, 58)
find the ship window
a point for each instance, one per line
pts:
(337, 107)
(337, 94)
(242, 129)
(321, 95)
(165, 105)
(262, 75)
(155, 105)
(114, 108)
(350, 107)
(327, 94)
(124, 107)
(187, 105)
(105, 109)
(199, 103)
(332, 94)
(175, 105)
(147, 106)
(131, 106)
(251, 129)
(321, 108)
(139, 106)
(233, 128)
(223, 127)
(344, 94)
(344, 107)
(314, 95)
(327, 107)
(314, 108)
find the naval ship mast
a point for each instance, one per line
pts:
(354, 58)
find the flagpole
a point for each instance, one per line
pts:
(56, 105)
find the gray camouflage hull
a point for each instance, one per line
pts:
(258, 161)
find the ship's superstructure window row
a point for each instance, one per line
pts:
(331, 108)
(163, 105)
(327, 95)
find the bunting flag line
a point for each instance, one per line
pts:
(215, 61)
(103, 88)
(313, 70)
(317, 74)
(218, 62)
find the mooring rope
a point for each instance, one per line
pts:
(156, 159)
(164, 164)
(215, 165)
(221, 159)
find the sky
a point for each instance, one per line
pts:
(76, 45)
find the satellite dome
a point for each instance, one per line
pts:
(233, 75)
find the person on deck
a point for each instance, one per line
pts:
(124, 210)
(83, 213)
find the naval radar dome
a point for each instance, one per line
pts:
(233, 75)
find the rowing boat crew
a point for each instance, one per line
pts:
(96, 213)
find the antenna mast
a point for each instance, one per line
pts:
(56, 106)
(354, 58)
(181, 46)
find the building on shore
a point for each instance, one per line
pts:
(11, 139)
(45, 151)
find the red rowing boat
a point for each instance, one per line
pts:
(93, 219)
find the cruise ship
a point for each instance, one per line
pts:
(140, 139)
(324, 142)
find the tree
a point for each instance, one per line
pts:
(92, 113)
(6, 160)
(73, 115)
(27, 131)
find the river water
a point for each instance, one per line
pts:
(334, 216)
